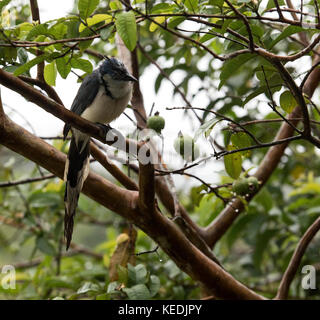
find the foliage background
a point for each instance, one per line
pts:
(257, 247)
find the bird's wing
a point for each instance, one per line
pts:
(85, 96)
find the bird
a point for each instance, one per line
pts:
(101, 98)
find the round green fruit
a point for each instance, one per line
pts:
(253, 184)
(241, 187)
(245, 186)
(186, 147)
(156, 123)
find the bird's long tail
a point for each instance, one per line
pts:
(76, 172)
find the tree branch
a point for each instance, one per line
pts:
(220, 225)
(296, 259)
(25, 181)
(21, 141)
(146, 184)
(124, 202)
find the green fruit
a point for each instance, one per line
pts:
(241, 187)
(185, 146)
(156, 123)
(253, 184)
(245, 186)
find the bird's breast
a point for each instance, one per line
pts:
(105, 109)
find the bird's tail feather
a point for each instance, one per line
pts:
(76, 172)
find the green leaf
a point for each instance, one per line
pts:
(63, 66)
(73, 29)
(115, 5)
(50, 73)
(81, 64)
(154, 26)
(242, 140)
(10, 53)
(97, 18)
(45, 246)
(260, 90)
(137, 274)
(271, 4)
(44, 199)
(138, 292)
(230, 67)
(206, 37)
(25, 67)
(122, 274)
(218, 3)
(192, 5)
(288, 31)
(175, 21)
(37, 30)
(264, 198)
(254, 94)
(233, 162)
(59, 282)
(196, 194)
(238, 228)
(22, 55)
(113, 287)
(163, 8)
(83, 45)
(127, 28)
(105, 33)
(287, 101)
(261, 245)
(86, 7)
(154, 285)
(206, 128)
(87, 286)
(59, 30)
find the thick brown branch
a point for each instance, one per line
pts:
(124, 202)
(146, 186)
(2, 115)
(44, 86)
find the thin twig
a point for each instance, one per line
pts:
(278, 9)
(246, 22)
(25, 181)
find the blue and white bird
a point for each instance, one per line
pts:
(101, 98)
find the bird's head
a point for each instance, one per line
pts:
(116, 70)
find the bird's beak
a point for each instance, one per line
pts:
(129, 77)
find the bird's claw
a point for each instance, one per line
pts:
(105, 128)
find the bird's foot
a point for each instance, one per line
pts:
(106, 128)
